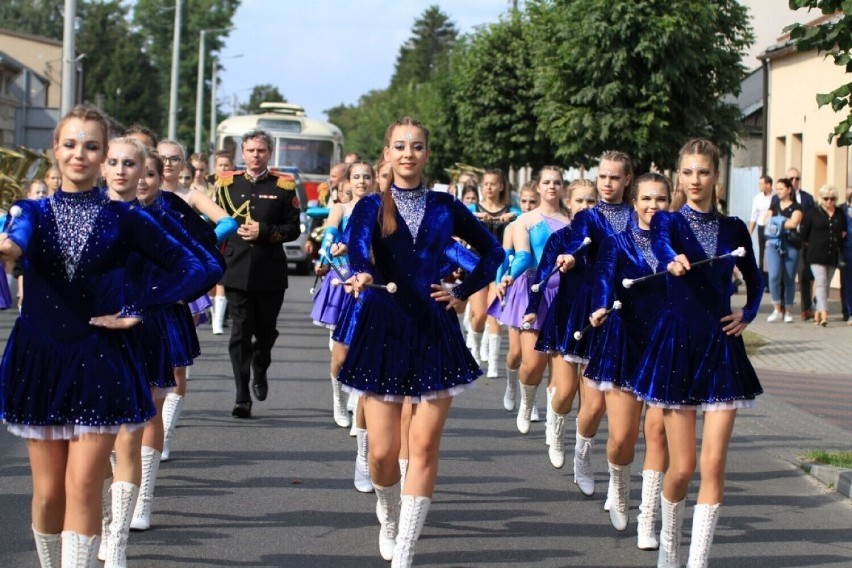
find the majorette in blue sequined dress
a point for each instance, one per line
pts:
(623, 337)
(407, 344)
(167, 334)
(522, 270)
(60, 376)
(602, 220)
(329, 299)
(690, 361)
(555, 322)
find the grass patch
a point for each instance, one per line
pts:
(837, 459)
(753, 341)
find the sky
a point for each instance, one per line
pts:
(321, 53)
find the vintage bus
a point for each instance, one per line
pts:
(310, 145)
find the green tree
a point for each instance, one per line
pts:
(494, 81)
(265, 93)
(155, 20)
(37, 17)
(833, 37)
(432, 37)
(117, 71)
(641, 77)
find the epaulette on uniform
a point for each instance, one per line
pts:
(227, 178)
(285, 180)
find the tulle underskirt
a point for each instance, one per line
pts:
(67, 431)
(328, 304)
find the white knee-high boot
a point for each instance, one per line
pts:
(403, 470)
(220, 308)
(172, 407)
(494, 341)
(672, 514)
(548, 421)
(704, 519)
(477, 345)
(79, 550)
(584, 475)
(652, 485)
(106, 517)
(124, 496)
(362, 466)
(511, 394)
(150, 467)
(338, 403)
(525, 411)
(411, 519)
(387, 509)
(556, 451)
(619, 495)
(49, 548)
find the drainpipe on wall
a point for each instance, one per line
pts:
(764, 151)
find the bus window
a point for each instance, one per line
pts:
(310, 156)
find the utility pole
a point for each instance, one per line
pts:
(173, 91)
(69, 64)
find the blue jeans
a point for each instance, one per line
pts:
(782, 268)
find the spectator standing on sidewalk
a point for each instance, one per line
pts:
(759, 206)
(806, 277)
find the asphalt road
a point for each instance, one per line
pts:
(276, 490)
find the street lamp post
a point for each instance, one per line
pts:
(213, 84)
(199, 87)
(68, 63)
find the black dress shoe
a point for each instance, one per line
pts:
(259, 384)
(242, 410)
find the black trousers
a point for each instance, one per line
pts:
(806, 282)
(761, 243)
(253, 333)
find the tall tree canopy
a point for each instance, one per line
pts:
(432, 37)
(37, 17)
(637, 76)
(833, 37)
(264, 93)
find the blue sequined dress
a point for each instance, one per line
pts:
(518, 294)
(167, 335)
(60, 376)
(623, 337)
(690, 361)
(555, 322)
(329, 300)
(407, 344)
(598, 223)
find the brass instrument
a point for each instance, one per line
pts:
(14, 169)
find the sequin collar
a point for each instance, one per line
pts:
(642, 238)
(705, 226)
(75, 215)
(616, 213)
(411, 204)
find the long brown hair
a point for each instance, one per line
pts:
(623, 159)
(85, 113)
(702, 147)
(388, 214)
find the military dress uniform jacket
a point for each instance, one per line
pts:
(271, 201)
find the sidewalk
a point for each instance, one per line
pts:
(808, 367)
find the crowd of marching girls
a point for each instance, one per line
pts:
(618, 290)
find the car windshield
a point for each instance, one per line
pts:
(310, 156)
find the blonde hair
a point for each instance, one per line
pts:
(139, 147)
(86, 113)
(827, 190)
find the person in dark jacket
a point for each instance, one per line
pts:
(823, 230)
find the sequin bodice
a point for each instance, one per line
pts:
(411, 204)
(705, 226)
(643, 243)
(75, 215)
(616, 213)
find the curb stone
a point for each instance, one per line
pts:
(838, 479)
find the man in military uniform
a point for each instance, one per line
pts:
(266, 206)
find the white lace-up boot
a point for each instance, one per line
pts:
(79, 550)
(387, 509)
(672, 515)
(403, 469)
(704, 519)
(484, 346)
(341, 416)
(548, 421)
(494, 341)
(476, 338)
(362, 466)
(619, 495)
(526, 406)
(646, 533)
(511, 394)
(49, 548)
(411, 520)
(106, 516)
(150, 467)
(124, 497)
(220, 308)
(172, 408)
(583, 474)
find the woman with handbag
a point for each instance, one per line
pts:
(782, 249)
(823, 229)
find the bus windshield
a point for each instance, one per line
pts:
(312, 157)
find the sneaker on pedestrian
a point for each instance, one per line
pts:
(788, 318)
(774, 316)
